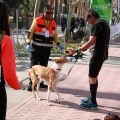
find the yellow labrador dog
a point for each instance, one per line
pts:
(49, 74)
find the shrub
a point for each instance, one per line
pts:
(78, 35)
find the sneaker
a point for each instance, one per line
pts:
(86, 100)
(89, 105)
(29, 88)
(43, 85)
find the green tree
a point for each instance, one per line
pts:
(43, 3)
(27, 5)
(66, 7)
(37, 7)
(27, 8)
(14, 3)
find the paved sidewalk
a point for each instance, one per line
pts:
(22, 105)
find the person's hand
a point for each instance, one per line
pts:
(72, 52)
(61, 47)
(22, 86)
(29, 48)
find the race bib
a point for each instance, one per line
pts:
(46, 33)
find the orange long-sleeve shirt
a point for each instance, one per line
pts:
(8, 62)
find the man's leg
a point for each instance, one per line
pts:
(90, 102)
(62, 28)
(72, 31)
(44, 62)
(94, 68)
(34, 61)
(93, 89)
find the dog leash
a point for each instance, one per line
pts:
(76, 57)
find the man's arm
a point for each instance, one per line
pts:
(92, 40)
(8, 63)
(55, 36)
(31, 31)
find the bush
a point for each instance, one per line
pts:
(78, 35)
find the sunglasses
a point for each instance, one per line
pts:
(49, 12)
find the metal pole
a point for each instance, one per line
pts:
(17, 23)
(16, 18)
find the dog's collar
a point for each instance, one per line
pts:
(58, 69)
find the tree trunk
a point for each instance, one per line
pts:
(55, 14)
(14, 15)
(70, 12)
(36, 10)
(68, 23)
(89, 3)
(59, 9)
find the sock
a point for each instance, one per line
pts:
(93, 90)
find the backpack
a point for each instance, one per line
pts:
(111, 117)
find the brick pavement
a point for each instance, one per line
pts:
(71, 91)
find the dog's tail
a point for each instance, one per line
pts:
(28, 73)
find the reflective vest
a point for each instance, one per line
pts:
(43, 35)
(1, 70)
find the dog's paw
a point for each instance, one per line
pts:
(58, 100)
(49, 104)
(39, 99)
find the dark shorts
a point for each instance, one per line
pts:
(95, 65)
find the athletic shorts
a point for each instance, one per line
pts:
(95, 65)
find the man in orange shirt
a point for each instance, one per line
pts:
(42, 34)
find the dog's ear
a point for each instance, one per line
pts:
(64, 56)
(60, 60)
(55, 59)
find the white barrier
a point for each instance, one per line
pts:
(19, 39)
(114, 30)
